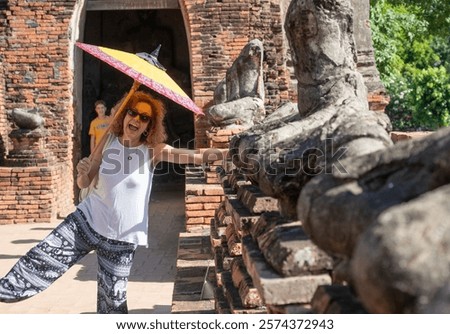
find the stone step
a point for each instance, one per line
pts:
(274, 288)
(242, 218)
(290, 252)
(248, 293)
(234, 300)
(336, 299)
(195, 264)
(266, 222)
(255, 201)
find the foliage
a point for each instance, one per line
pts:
(435, 12)
(411, 42)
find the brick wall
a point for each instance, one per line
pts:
(203, 188)
(34, 52)
(397, 136)
(28, 195)
(37, 71)
(202, 199)
(3, 120)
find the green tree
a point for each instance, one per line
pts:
(435, 12)
(412, 54)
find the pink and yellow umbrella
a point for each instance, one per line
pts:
(144, 69)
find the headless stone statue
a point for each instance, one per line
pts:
(27, 119)
(28, 139)
(239, 98)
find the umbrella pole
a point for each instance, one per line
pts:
(99, 148)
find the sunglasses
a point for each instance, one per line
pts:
(142, 117)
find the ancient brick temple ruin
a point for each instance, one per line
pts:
(43, 75)
(249, 56)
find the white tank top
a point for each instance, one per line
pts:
(118, 207)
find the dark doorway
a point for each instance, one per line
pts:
(139, 31)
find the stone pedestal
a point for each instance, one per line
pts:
(34, 186)
(28, 149)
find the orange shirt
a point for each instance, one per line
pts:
(98, 128)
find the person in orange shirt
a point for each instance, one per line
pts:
(99, 125)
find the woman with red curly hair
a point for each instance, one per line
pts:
(113, 218)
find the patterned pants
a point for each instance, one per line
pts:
(62, 248)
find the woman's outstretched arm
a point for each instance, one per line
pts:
(186, 156)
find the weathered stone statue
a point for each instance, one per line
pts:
(388, 215)
(27, 119)
(239, 98)
(334, 120)
(28, 139)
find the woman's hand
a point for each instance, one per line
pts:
(186, 156)
(212, 154)
(83, 168)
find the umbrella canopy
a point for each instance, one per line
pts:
(143, 69)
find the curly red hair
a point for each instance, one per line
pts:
(156, 130)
